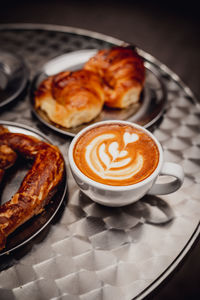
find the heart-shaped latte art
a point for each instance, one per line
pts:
(130, 138)
(113, 150)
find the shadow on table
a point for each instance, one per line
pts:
(150, 209)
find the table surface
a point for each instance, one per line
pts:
(170, 33)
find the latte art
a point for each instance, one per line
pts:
(116, 154)
(108, 162)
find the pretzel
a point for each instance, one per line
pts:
(38, 186)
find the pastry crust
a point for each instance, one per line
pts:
(114, 77)
(123, 73)
(39, 185)
(71, 98)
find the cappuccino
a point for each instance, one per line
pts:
(116, 154)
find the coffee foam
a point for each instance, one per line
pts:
(116, 154)
(108, 162)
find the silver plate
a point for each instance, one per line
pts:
(146, 112)
(13, 77)
(26, 232)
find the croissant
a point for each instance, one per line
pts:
(123, 73)
(39, 185)
(71, 98)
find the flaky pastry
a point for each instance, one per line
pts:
(123, 73)
(71, 98)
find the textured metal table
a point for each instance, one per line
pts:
(90, 251)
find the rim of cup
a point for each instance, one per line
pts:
(107, 187)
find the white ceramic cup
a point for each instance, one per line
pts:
(123, 195)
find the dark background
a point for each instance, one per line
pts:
(168, 30)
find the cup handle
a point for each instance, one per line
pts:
(169, 169)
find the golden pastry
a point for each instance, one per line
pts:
(123, 73)
(71, 98)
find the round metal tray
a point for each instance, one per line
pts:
(98, 252)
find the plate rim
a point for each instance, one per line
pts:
(24, 82)
(47, 139)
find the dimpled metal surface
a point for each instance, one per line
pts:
(95, 252)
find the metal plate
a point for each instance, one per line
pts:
(146, 112)
(13, 77)
(10, 185)
(94, 252)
